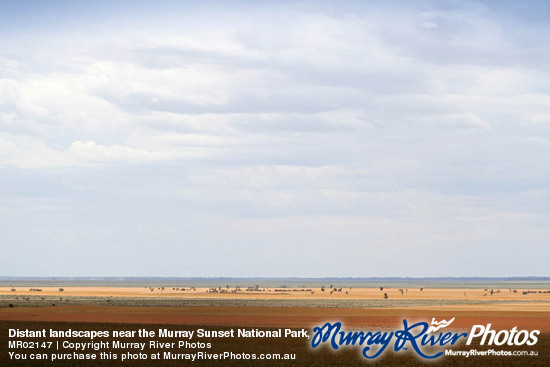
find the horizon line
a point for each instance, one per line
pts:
(274, 277)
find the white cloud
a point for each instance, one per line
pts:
(464, 121)
(428, 25)
(385, 128)
(90, 151)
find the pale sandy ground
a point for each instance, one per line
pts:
(292, 293)
(530, 311)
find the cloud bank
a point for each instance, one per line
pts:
(283, 139)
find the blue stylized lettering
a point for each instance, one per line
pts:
(376, 343)
(352, 336)
(321, 334)
(377, 339)
(442, 339)
(405, 335)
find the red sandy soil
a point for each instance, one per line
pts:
(524, 316)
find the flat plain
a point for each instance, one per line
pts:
(106, 307)
(277, 307)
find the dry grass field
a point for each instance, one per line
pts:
(288, 293)
(275, 307)
(357, 308)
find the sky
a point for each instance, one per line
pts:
(282, 138)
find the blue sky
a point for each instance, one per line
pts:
(274, 139)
